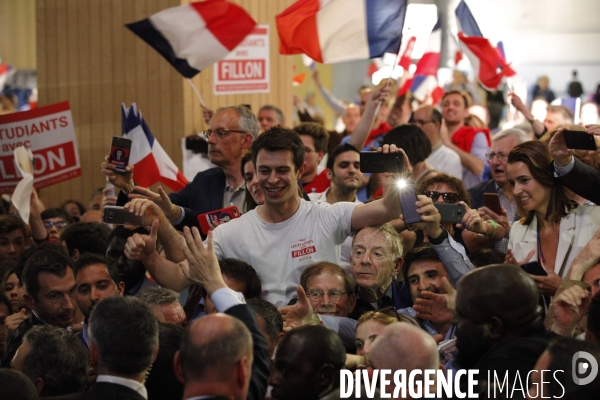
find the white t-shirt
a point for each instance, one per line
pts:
(446, 160)
(280, 252)
(347, 245)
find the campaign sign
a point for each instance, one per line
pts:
(246, 68)
(50, 134)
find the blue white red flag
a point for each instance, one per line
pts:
(152, 164)
(331, 31)
(425, 78)
(486, 61)
(196, 35)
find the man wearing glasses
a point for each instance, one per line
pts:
(329, 289)
(502, 144)
(442, 158)
(231, 132)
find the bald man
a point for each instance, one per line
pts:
(402, 346)
(499, 321)
(222, 355)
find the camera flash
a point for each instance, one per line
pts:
(401, 183)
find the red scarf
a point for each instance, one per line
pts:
(381, 129)
(463, 137)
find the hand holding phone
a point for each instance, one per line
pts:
(492, 201)
(579, 140)
(408, 200)
(119, 216)
(223, 215)
(119, 154)
(534, 268)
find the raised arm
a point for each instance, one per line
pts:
(361, 132)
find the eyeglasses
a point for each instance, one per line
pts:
(58, 225)
(448, 197)
(501, 157)
(220, 133)
(334, 294)
(421, 122)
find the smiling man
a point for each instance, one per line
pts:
(285, 235)
(329, 289)
(502, 144)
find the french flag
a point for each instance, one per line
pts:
(484, 58)
(332, 31)
(196, 35)
(152, 164)
(406, 57)
(425, 79)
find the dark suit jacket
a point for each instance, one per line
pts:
(202, 195)
(260, 367)
(477, 191)
(17, 338)
(584, 181)
(103, 391)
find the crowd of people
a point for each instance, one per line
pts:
(320, 273)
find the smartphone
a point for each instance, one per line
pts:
(372, 161)
(197, 145)
(453, 213)
(408, 198)
(222, 215)
(492, 201)
(580, 140)
(119, 153)
(118, 215)
(534, 268)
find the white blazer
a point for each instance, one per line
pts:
(576, 230)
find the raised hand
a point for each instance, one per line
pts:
(140, 247)
(202, 266)
(298, 314)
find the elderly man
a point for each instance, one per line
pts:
(329, 289)
(558, 116)
(502, 144)
(232, 130)
(164, 305)
(442, 158)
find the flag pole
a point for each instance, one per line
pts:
(386, 84)
(196, 91)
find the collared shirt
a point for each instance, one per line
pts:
(511, 208)
(130, 383)
(234, 197)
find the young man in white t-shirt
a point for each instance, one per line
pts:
(287, 233)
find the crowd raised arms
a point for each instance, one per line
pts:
(285, 250)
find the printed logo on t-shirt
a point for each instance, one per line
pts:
(303, 247)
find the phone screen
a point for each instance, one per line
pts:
(119, 153)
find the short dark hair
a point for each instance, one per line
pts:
(87, 237)
(486, 256)
(9, 223)
(15, 385)
(424, 252)
(325, 345)
(48, 261)
(343, 148)
(80, 206)
(214, 358)
(436, 116)
(244, 273)
(249, 203)
(92, 258)
(270, 314)
(324, 266)
(161, 381)
(58, 357)
(56, 213)
(125, 331)
(277, 139)
(4, 300)
(412, 140)
(461, 94)
(278, 111)
(317, 132)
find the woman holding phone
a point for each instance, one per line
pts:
(553, 229)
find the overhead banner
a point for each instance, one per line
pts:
(50, 134)
(246, 68)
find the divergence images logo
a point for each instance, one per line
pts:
(580, 368)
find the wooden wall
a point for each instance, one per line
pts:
(86, 55)
(17, 33)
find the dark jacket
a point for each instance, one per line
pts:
(477, 191)
(17, 338)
